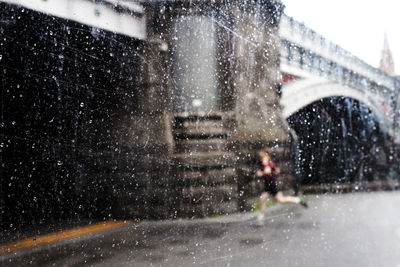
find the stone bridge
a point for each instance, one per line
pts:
(314, 68)
(111, 121)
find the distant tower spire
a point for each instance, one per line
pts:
(386, 63)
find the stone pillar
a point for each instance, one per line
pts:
(258, 117)
(209, 148)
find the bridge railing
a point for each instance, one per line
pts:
(312, 50)
(122, 17)
(304, 60)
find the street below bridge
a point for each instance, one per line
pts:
(357, 229)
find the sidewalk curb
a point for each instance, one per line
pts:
(388, 185)
(245, 217)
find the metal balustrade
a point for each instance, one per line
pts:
(303, 47)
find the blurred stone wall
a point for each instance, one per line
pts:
(82, 125)
(88, 128)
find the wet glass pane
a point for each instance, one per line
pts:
(198, 133)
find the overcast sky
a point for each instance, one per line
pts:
(356, 25)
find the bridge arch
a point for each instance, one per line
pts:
(298, 95)
(340, 139)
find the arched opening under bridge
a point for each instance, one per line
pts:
(340, 140)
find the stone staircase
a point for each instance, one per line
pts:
(203, 165)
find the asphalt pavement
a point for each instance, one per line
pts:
(357, 229)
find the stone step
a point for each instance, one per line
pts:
(208, 177)
(201, 133)
(200, 145)
(198, 124)
(204, 159)
(198, 116)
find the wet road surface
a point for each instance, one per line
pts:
(360, 229)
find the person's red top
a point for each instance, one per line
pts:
(267, 162)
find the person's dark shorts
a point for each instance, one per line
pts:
(271, 187)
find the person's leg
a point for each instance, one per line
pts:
(263, 202)
(263, 207)
(280, 198)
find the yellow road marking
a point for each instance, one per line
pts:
(59, 236)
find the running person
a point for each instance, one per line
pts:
(269, 170)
